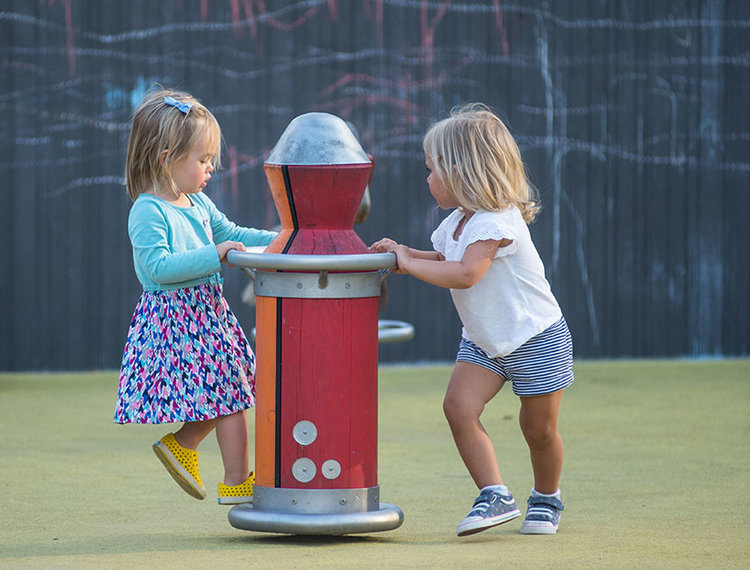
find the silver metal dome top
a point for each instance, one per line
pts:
(315, 139)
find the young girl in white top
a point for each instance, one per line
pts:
(513, 329)
(186, 358)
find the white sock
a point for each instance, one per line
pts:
(502, 489)
(555, 495)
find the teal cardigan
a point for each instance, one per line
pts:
(176, 247)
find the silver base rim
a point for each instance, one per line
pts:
(388, 517)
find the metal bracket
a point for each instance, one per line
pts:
(321, 285)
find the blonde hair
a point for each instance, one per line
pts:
(476, 159)
(158, 126)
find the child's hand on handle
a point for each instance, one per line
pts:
(387, 245)
(384, 245)
(225, 246)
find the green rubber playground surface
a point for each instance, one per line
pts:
(657, 475)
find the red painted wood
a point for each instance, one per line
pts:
(324, 351)
(329, 377)
(328, 196)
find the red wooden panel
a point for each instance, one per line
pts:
(326, 242)
(363, 336)
(328, 378)
(328, 196)
(324, 364)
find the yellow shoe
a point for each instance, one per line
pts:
(236, 494)
(182, 464)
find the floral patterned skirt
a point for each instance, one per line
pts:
(186, 359)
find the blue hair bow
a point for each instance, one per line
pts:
(184, 107)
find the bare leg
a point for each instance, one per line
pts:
(233, 438)
(192, 433)
(538, 419)
(469, 389)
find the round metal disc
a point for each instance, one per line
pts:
(305, 432)
(303, 470)
(331, 469)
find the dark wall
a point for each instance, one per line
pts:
(632, 116)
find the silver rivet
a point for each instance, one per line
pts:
(331, 469)
(303, 470)
(304, 432)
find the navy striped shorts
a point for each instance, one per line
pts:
(542, 365)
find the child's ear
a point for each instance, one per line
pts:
(163, 156)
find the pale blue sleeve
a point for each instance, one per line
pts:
(225, 230)
(153, 241)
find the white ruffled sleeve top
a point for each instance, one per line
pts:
(512, 302)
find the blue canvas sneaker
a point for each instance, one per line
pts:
(542, 515)
(490, 509)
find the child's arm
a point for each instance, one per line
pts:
(229, 231)
(225, 230)
(450, 274)
(386, 245)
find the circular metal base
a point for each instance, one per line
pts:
(388, 517)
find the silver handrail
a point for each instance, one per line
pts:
(388, 330)
(291, 262)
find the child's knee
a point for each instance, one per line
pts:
(449, 407)
(452, 408)
(458, 411)
(539, 434)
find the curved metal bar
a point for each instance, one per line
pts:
(386, 517)
(289, 262)
(394, 331)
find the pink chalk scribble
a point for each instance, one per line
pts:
(68, 32)
(501, 27)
